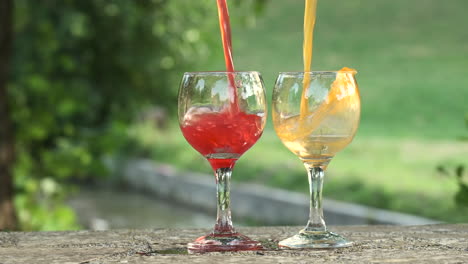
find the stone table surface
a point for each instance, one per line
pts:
(373, 244)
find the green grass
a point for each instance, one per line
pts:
(388, 173)
(412, 59)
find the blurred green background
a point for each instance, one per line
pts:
(85, 74)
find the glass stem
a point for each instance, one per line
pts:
(316, 222)
(223, 218)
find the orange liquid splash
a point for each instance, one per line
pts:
(343, 96)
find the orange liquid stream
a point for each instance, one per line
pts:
(225, 27)
(309, 25)
(343, 87)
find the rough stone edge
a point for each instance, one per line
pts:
(252, 201)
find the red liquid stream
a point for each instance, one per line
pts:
(225, 27)
(222, 133)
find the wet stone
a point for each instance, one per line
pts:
(379, 244)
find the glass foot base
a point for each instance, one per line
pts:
(322, 239)
(223, 242)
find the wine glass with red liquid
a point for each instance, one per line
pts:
(222, 114)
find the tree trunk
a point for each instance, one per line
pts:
(8, 220)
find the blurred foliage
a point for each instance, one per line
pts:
(81, 71)
(461, 197)
(458, 172)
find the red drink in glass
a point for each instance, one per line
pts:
(222, 134)
(222, 137)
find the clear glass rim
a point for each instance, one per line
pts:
(295, 73)
(220, 72)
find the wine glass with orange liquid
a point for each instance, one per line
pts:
(316, 114)
(222, 114)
